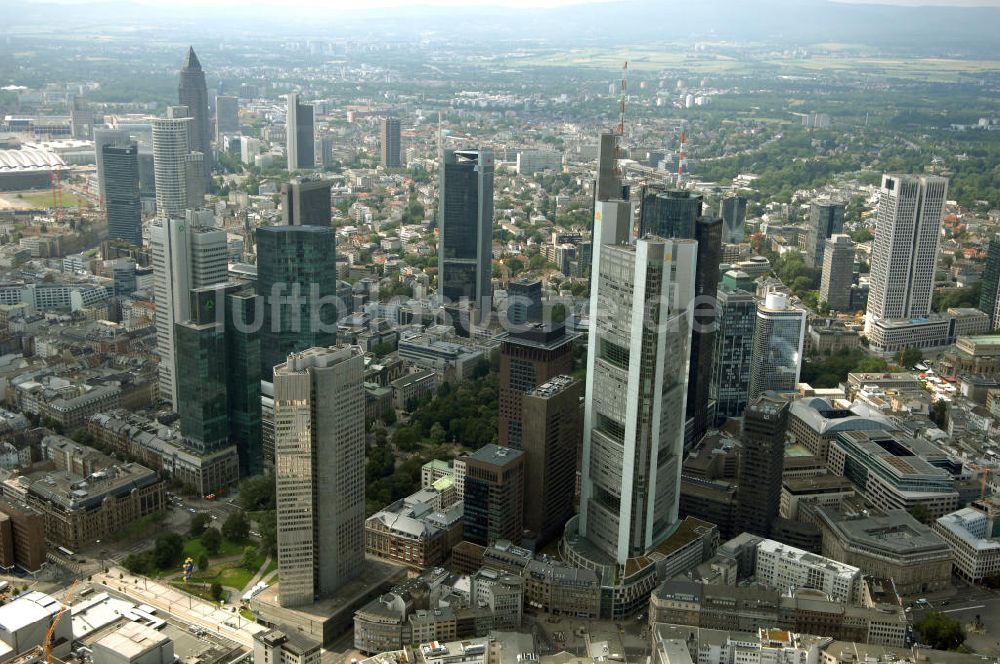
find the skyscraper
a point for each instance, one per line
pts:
(669, 213)
(904, 251)
(102, 137)
(297, 279)
(989, 299)
(608, 185)
(762, 463)
(528, 358)
(777, 346)
(734, 219)
(634, 407)
(391, 148)
(299, 134)
(319, 412)
(170, 151)
(227, 117)
(465, 221)
(551, 440)
(121, 192)
(306, 202)
(826, 218)
(187, 254)
(193, 93)
(493, 494)
(524, 300)
(838, 273)
(737, 317)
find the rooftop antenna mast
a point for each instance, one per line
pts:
(621, 105)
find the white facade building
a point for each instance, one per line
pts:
(974, 537)
(170, 169)
(784, 567)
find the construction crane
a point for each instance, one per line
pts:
(50, 633)
(984, 476)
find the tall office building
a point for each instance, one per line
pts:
(777, 346)
(734, 219)
(608, 185)
(193, 93)
(188, 253)
(737, 318)
(299, 134)
(678, 214)
(297, 279)
(826, 218)
(103, 137)
(838, 273)
(121, 192)
(551, 441)
(170, 151)
(391, 150)
(465, 223)
(319, 413)
(761, 463)
(227, 117)
(528, 358)
(989, 299)
(904, 251)
(493, 492)
(635, 393)
(524, 300)
(195, 179)
(306, 202)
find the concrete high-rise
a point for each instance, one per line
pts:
(777, 346)
(465, 223)
(193, 93)
(608, 185)
(737, 318)
(103, 137)
(761, 463)
(297, 279)
(528, 358)
(904, 251)
(306, 202)
(319, 413)
(734, 219)
(188, 253)
(493, 492)
(227, 117)
(170, 152)
(989, 299)
(838, 273)
(552, 437)
(826, 218)
(120, 189)
(633, 431)
(300, 134)
(391, 149)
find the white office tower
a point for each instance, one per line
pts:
(170, 165)
(319, 442)
(777, 346)
(102, 137)
(904, 251)
(188, 253)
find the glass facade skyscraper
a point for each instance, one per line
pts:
(826, 218)
(737, 318)
(121, 192)
(465, 221)
(777, 346)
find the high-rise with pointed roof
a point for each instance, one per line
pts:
(193, 93)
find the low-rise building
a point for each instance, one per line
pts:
(22, 536)
(413, 387)
(134, 643)
(419, 530)
(783, 567)
(25, 623)
(973, 533)
(276, 647)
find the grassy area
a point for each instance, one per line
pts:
(271, 566)
(42, 198)
(203, 591)
(194, 549)
(230, 573)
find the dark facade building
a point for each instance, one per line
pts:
(392, 153)
(297, 280)
(990, 297)
(678, 214)
(524, 300)
(734, 219)
(465, 221)
(227, 117)
(305, 202)
(552, 437)
(494, 494)
(22, 536)
(122, 201)
(826, 218)
(762, 463)
(300, 134)
(193, 93)
(737, 316)
(527, 359)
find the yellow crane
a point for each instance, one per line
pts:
(47, 643)
(984, 477)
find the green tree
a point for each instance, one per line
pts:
(908, 357)
(168, 551)
(198, 524)
(921, 513)
(216, 591)
(940, 631)
(203, 562)
(258, 493)
(939, 415)
(211, 539)
(250, 560)
(236, 527)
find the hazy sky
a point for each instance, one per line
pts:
(347, 5)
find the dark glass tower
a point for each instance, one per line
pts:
(193, 93)
(737, 316)
(465, 221)
(762, 461)
(990, 296)
(524, 300)
(306, 202)
(734, 219)
(391, 148)
(121, 190)
(826, 218)
(297, 281)
(678, 214)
